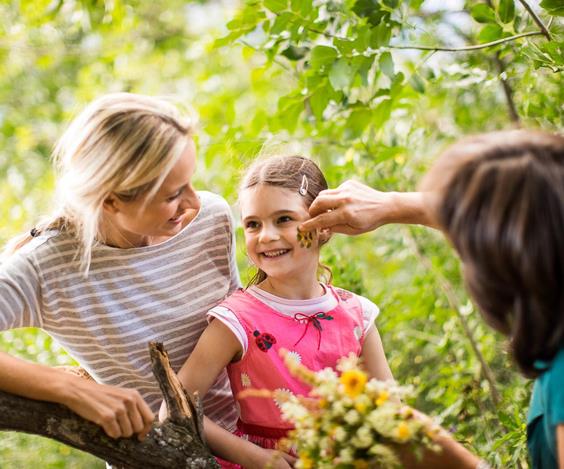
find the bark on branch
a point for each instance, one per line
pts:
(178, 442)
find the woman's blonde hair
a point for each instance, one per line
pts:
(122, 144)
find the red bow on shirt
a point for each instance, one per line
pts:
(308, 319)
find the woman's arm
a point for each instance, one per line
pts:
(215, 349)
(354, 208)
(373, 356)
(120, 412)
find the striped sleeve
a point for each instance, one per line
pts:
(19, 294)
(235, 280)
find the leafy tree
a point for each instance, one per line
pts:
(371, 88)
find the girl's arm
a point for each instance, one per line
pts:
(373, 356)
(215, 349)
(120, 412)
(560, 445)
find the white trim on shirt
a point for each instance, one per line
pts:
(324, 303)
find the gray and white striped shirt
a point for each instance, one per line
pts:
(130, 297)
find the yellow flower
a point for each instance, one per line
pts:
(353, 381)
(403, 431)
(382, 397)
(362, 403)
(306, 462)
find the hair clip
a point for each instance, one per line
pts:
(304, 187)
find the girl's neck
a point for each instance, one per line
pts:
(293, 290)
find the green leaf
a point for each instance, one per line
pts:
(490, 32)
(295, 53)
(381, 35)
(281, 23)
(341, 74)
(289, 110)
(382, 113)
(359, 119)
(387, 64)
(554, 7)
(318, 101)
(417, 83)
(345, 46)
(276, 6)
(322, 55)
(506, 10)
(483, 13)
(301, 7)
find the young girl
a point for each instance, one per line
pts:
(285, 307)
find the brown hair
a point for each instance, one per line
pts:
(287, 172)
(501, 203)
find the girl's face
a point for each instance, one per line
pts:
(140, 222)
(271, 216)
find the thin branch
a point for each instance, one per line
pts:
(507, 91)
(470, 48)
(453, 302)
(536, 19)
(276, 61)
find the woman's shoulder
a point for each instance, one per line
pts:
(47, 248)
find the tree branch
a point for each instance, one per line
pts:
(536, 19)
(175, 443)
(470, 48)
(453, 302)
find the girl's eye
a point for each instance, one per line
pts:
(284, 219)
(251, 225)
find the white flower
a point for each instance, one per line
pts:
(294, 356)
(363, 437)
(352, 417)
(282, 395)
(340, 434)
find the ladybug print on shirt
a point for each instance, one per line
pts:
(264, 340)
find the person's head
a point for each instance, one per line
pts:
(275, 195)
(499, 198)
(124, 168)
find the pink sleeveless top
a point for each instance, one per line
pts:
(317, 340)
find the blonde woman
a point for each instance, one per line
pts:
(132, 253)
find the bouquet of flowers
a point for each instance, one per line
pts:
(348, 421)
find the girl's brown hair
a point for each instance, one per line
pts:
(287, 172)
(501, 203)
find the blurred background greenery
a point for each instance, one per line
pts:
(365, 87)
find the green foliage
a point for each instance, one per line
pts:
(330, 79)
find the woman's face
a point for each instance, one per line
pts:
(144, 221)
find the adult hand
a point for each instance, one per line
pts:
(120, 412)
(354, 208)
